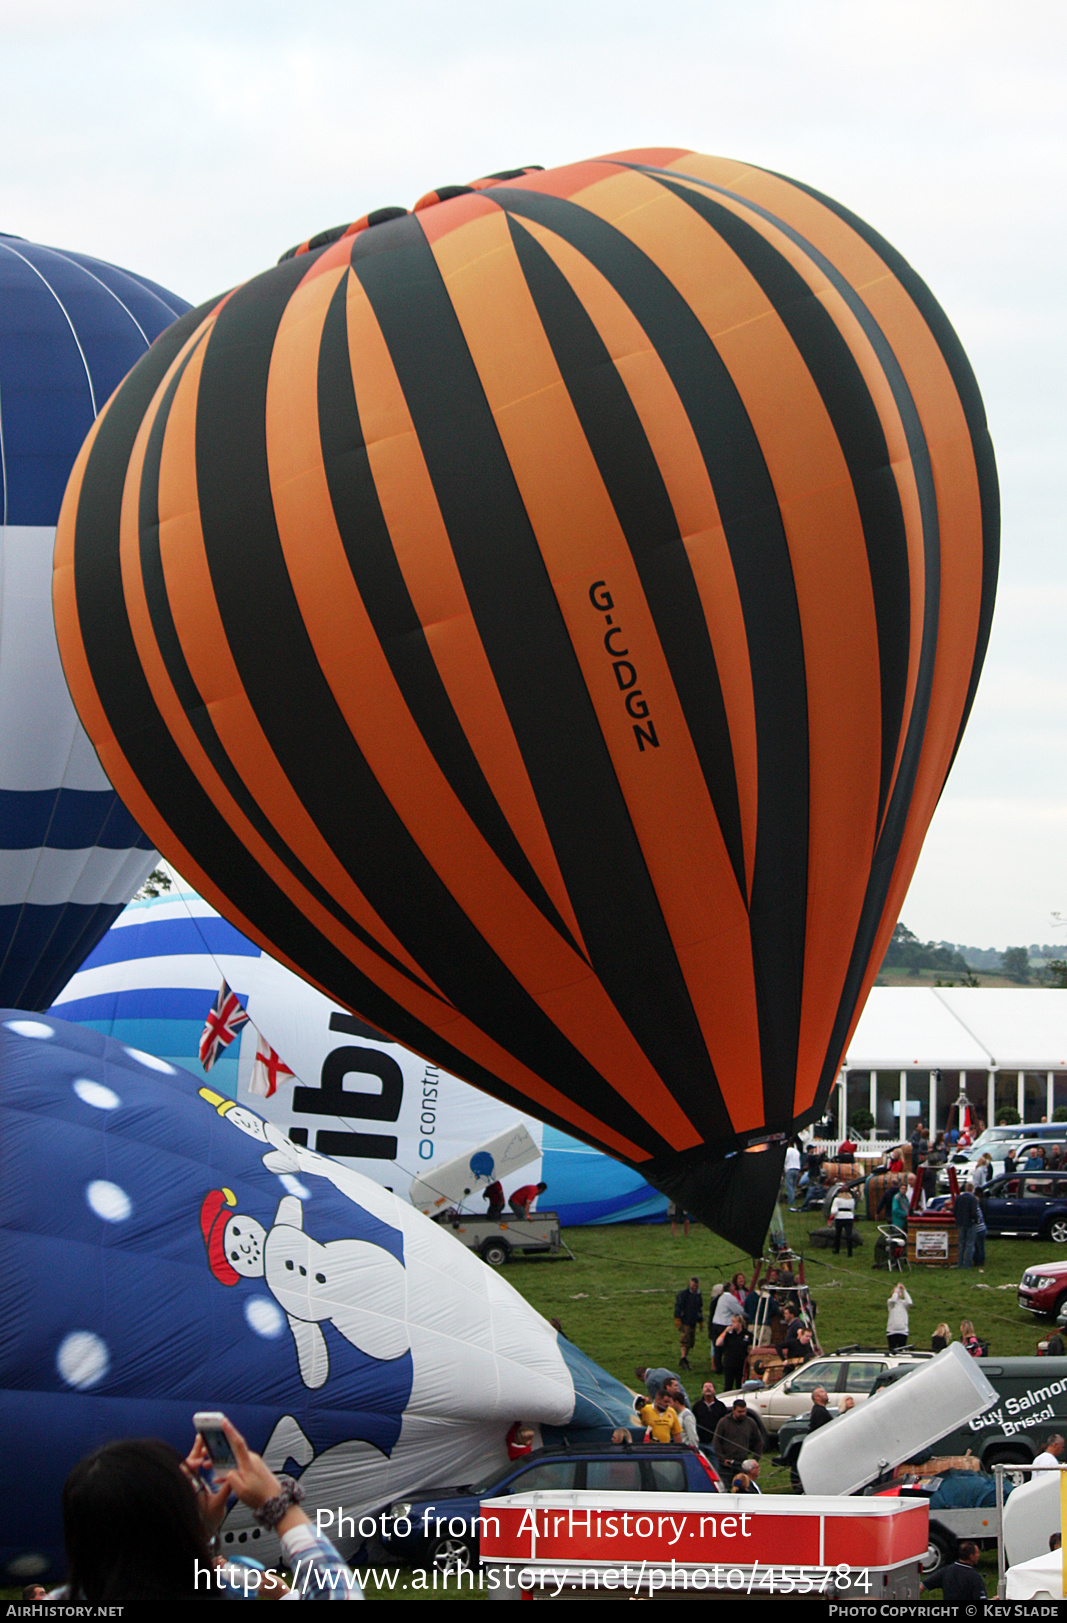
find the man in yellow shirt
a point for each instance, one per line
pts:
(661, 1418)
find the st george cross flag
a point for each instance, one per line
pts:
(223, 1023)
(268, 1071)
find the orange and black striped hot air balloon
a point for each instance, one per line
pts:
(546, 619)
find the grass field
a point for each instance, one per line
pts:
(615, 1300)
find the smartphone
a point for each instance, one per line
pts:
(209, 1424)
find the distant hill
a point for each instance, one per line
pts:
(949, 963)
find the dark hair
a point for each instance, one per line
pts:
(131, 1525)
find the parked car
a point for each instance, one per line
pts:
(1027, 1203)
(444, 1524)
(853, 1370)
(1019, 1146)
(1043, 1289)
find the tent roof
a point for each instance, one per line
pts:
(961, 1028)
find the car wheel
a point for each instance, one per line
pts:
(939, 1552)
(1061, 1312)
(1009, 1456)
(495, 1253)
(1057, 1231)
(452, 1555)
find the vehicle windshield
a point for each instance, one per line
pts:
(994, 1135)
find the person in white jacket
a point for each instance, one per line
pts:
(896, 1330)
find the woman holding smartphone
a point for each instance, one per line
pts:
(138, 1523)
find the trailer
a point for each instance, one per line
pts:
(573, 1544)
(862, 1452)
(498, 1239)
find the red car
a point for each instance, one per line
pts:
(1043, 1288)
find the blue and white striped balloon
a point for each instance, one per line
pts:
(70, 854)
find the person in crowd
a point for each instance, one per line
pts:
(690, 1435)
(739, 1286)
(1055, 1541)
(959, 1581)
(519, 1440)
(493, 1193)
(708, 1411)
(983, 1170)
(899, 1208)
(820, 1411)
(936, 1157)
(919, 1145)
(848, 1402)
(980, 1232)
(678, 1214)
(738, 1435)
(883, 1212)
(655, 1378)
(843, 1213)
(138, 1520)
(805, 1344)
(522, 1201)
(1009, 1163)
(1035, 1159)
(965, 1214)
(1052, 1454)
(751, 1470)
(733, 1344)
(794, 1327)
(896, 1330)
(688, 1315)
(896, 1160)
(969, 1339)
(771, 1312)
(660, 1418)
(742, 1483)
(940, 1338)
(792, 1173)
(727, 1306)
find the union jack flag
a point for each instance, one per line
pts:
(223, 1023)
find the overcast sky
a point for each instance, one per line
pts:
(194, 142)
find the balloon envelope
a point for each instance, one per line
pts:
(152, 979)
(70, 854)
(547, 619)
(145, 1237)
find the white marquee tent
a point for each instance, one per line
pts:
(915, 1048)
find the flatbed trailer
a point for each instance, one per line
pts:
(498, 1239)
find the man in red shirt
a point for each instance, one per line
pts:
(522, 1200)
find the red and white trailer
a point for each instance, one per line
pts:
(561, 1543)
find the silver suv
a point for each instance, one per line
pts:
(1020, 1147)
(851, 1372)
